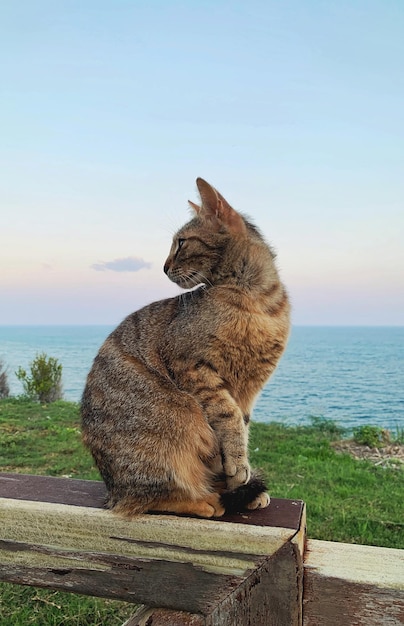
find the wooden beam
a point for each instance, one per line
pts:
(241, 569)
(353, 585)
(271, 596)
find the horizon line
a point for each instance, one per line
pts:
(114, 325)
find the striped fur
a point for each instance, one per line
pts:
(168, 400)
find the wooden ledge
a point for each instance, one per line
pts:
(90, 493)
(239, 569)
(54, 532)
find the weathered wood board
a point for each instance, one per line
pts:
(55, 533)
(353, 585)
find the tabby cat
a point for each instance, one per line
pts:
(167, 403)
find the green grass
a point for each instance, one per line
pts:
(43, 439)
(29, 606)
(347, 500)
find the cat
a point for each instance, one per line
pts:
(167, 403)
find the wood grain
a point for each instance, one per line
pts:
(353, 585)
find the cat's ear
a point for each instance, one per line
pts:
(217, 209)
(195, 207)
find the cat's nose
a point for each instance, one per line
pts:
(166, 268)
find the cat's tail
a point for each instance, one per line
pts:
(252, 495)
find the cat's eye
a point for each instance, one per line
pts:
(180, 243)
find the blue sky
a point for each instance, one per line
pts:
(110, 110)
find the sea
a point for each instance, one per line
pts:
(351, 375)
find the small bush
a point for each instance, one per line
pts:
(4, 388)
(371, 436)
(45, 381)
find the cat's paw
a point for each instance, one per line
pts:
(237, 472)
(260, 502)
(211, 506)
(251, 496)
(215, 502)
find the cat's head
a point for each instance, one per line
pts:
(211, 247)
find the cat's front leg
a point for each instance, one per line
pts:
(233, 448)
(226, 419)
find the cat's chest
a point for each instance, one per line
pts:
(241, 345)
(247, 339)
(246, 351)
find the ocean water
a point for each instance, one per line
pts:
(353, 375)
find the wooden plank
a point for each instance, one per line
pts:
(353, 585)
(89, 493)
(270, 596)
(176, 562)
(92, 493)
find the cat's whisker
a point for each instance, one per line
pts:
(198, 278)
(201, 276)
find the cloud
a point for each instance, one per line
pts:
(129, 264)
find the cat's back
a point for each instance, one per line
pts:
(128, 357)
